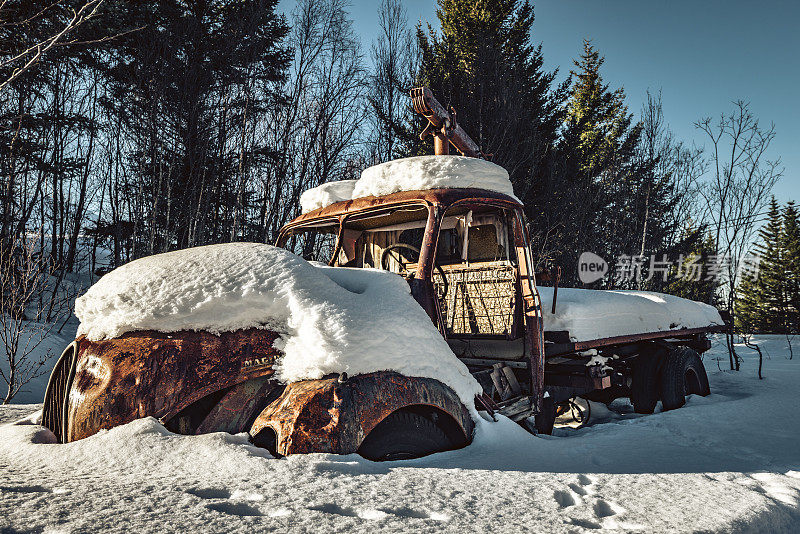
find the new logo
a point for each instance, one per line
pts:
(591, 267)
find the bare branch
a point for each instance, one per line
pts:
(31, 55)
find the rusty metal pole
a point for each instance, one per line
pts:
(442, 125)
(441, 144)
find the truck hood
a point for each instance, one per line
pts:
(330, 320)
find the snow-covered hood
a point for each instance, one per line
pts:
(412, 174)
(330, 319)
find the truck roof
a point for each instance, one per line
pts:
(442, 197)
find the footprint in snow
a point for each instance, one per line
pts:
(564, 499)
(577, 488)
(586, 523)
(210, 493)
(380, 513)
(603, 508)
(335, 509)
(25, 489)
(235, 508)
(406, 512)
(601, 512)
(232, 503)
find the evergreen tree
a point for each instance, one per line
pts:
(791, 251)
(688, 278)
(188, 87)
(484, 65)
(762, 300)
(598, 123)
(590, 193)
(750, 308)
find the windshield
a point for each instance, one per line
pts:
(387, 239)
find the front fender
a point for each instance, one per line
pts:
(334, 416)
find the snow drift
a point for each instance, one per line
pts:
(593, 314)
(331, 319)
(412, 174)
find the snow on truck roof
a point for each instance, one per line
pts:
(418, 173)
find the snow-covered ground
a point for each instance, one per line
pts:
(727, 462)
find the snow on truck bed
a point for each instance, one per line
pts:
(331, 319)
(412, 174)
(594, 314)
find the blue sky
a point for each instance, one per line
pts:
(701, 54)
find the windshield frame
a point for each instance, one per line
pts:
(341, 224)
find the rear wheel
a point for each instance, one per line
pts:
(684, 374)
(404, 435)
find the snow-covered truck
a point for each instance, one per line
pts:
(308, 357)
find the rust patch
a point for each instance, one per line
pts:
(155, 374)
(331, 416)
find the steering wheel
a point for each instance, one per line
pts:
(385, 267)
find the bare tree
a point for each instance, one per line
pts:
(738, 190)
(317, 132)
(669, 187)
(67, 19)
(742, 177)
(394, 63)
(748, 341)
(27, 294)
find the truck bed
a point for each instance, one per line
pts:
(593, 315)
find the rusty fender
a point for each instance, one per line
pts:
(149, 373)
(331, 416)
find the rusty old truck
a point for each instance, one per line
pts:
(466, 255)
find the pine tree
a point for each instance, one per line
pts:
(484, 65)
(791, 257)
(762, 300)
(589, 196)
(750, 308)
(598, 122)
(688, 279)
(188, 87)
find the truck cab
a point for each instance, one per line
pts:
(466, 257)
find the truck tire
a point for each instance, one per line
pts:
(644, 383)
(684, 374)
(403, 435)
